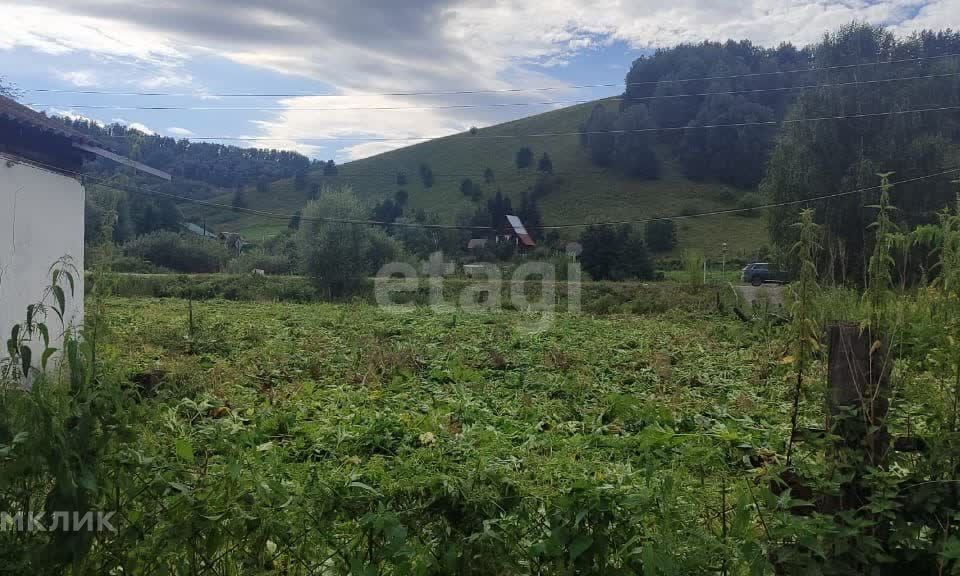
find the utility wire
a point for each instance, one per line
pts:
(488, 104)
(287, 217)
(736, 210)
(105, 183)
(467, 136)
(483, 91)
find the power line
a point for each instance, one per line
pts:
(467, 136)
(736, 210)
(488, 104)
(482, 91)
(287, 217)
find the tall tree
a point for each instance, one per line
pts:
(545, 165)
(524, 157)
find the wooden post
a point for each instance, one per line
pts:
(858, 393)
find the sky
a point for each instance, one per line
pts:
(345, 61)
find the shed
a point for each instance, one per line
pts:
(41, 209)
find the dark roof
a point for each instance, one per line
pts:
(17, 112)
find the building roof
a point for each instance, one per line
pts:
(17, 113)
(476, 243)
(520, 231)
(10, 108)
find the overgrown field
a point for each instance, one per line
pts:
(284, 438)
(464, 430)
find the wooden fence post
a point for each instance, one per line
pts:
(858, 398)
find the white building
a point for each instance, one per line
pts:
(41, 213)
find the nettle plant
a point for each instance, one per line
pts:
(54, 433)
(36, 326)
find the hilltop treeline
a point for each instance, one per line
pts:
(200, 168)
(796, 123)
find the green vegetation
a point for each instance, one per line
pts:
(561, 197)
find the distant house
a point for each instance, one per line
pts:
(477, 244)
(41, 209)
(517, 233)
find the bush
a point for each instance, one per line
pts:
(261, 260)
(749, 203)
(173, 251)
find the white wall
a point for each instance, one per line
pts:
(41, 220)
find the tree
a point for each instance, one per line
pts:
(466, 187)
(401, 178)
(660, 235)
(634, 144)
(294, 223)
(488, 176)
(545, 164)
(300, 179)
(529, 214)
(426, 175)
(239, 199)
(735, 156)
(497, 209)
(168, 215)
(614, 254)
(597, 136)
(387, 211)
(315, 190)
(263, 186)
(401, 197)
(524, 157)
(330, 168)
(838, 157)
(339, 257)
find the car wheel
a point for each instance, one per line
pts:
(756, 281)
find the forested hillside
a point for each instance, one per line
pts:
(698, 128)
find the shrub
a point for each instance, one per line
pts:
(261, 260)
(177, 252)
(749, 203)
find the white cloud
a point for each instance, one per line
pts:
(168, 78)
(71, 115)
(79, 78)
(374, 46)
(177, 131)
(133, 125)
(140, 127)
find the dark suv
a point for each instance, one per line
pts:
(760, 272)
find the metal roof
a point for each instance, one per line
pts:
(17, 112)
(520, 230)
(10, 108)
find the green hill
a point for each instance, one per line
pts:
(583, 192)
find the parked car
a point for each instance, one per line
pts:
(759, 272)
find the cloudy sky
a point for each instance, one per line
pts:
(362, 53)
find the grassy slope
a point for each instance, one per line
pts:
(587, 193)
